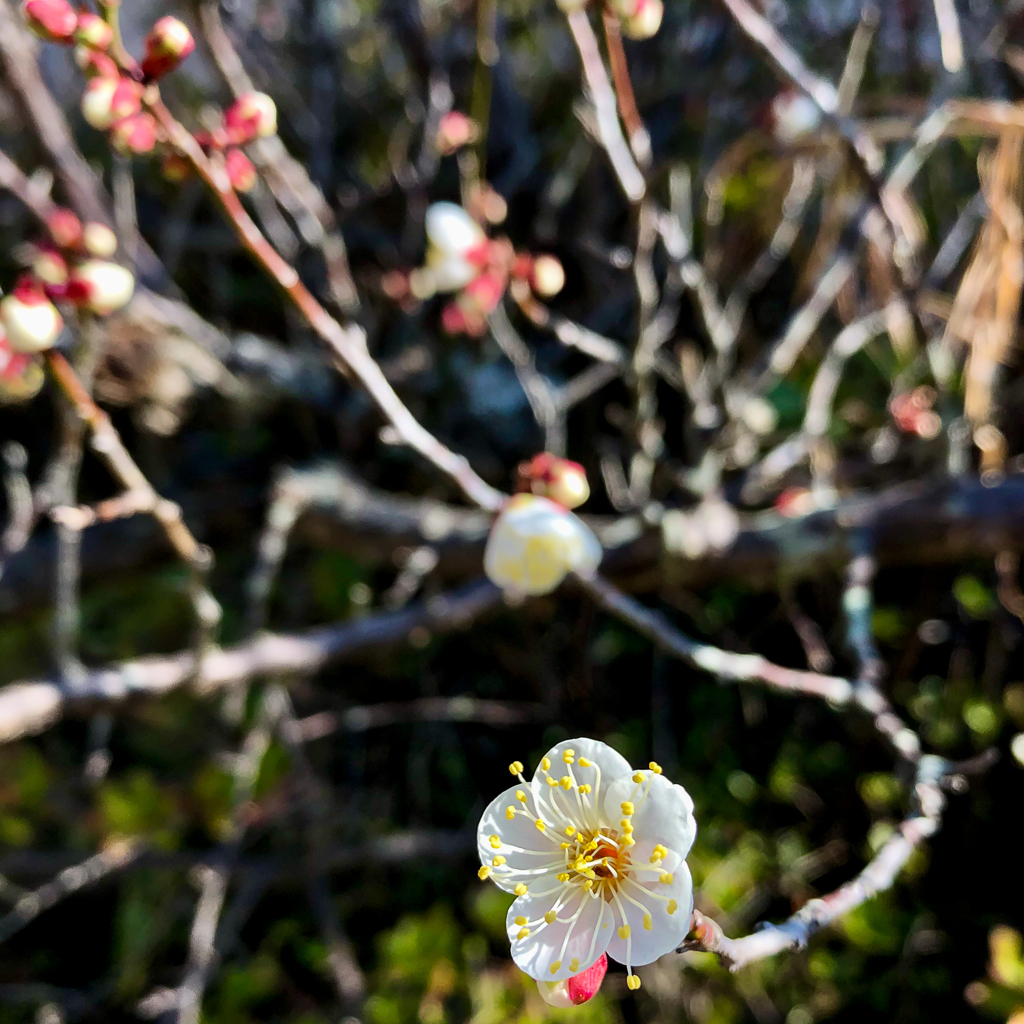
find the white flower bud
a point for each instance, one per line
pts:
(106, 286)
(646, 21)
(452, 231)
(449, 273)
(31, 321)
(794, 116)
(535, 543)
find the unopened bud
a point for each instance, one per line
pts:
(107, 101)
(95, 64)
(21, 377)
(552, 477)
(92, 31)
(646, 20)
(50, 267)
(102, 287)
(169, 42)
(136, 134)
(547, 276)
(241, 171)
(453, 232)
(99, 240)
(252, 115)
(52, 20)
(454, 131)
(484, 292)
(65, 228)
(576, 989)
(31, 321)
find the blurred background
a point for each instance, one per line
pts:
(323, 820)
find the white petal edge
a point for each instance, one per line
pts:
(605, 767)
(664, 816)
(667, 930)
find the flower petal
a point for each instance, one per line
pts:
(529, 856)
(604, 765)
(667, 930)
(579, 934)
(664, 815)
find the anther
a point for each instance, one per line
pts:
(627, 807)
(588, 884)
(627, 841)
(584, 763)
(520, 796)
(550, 917)
(550, 781)
(498, 861)
(624, 931)
(555, 966)
(638, 777)
(672, 906)
(626, 825)
(666, 877)
(570, 830)
(574, 964)
(516, 768)
(520, 920)
(648, 923)
(566, 846)
(495, 842)
(546, 763)
(483, 872)
(523, 932)
(540, 825)
(510, 812)
(565, 782)
(655, 767)
(563, 877)
(585, 788)
(568, 756)
(632, 982)
(520, 889)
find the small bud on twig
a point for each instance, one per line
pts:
(31, 321)
(241, 171)
(92, 31)
(169, 42)
(136, 134)
(101, 287)
(252, 115)
(52, 20)
(99, 240)
(107, 101)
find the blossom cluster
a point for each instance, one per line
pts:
(595, 854)
(71, 267)
(640, 19)
(536, 541)
(115, 95)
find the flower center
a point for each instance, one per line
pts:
(599, 860)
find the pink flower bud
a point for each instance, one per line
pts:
(454, 131)
(484, 292)
(52, 20)
(547, 276)
(21, 376)
(95, 64)
(252, 115)
(169, 42)
(576, 990)
(99, 240)
(65, 228)
(136, 134)
(560, 480)
(31, 321)
(107, 101)
(92, 31)
(645, 21)
(104, 287)
(50, 267)
(241, 171)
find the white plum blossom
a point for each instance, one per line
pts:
(534, 543)
(456, 243)
(595, 854)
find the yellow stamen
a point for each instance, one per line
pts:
(550, 917)
(585, 788)
(520, 889)
(563, 877)
(632, 982)
(483, 872)
(498, 861)
(566, 846)
(584, 763)
(520, 796)
(588, 884)
(523, 932)
(520, 920)
(555, 966)
(510, 813)
(655, 767)
(648, 923)
(550, 781)
(568, 756)
(627, 807)
(516, 768)
(626, 826)
(624, 931)
(638, 778)
(574, 964)
(666, 877)
(565, 782)
(672, 906)
(570, 830)
(495, 842)
(546, 763)
(540, 825)
(627, 841)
